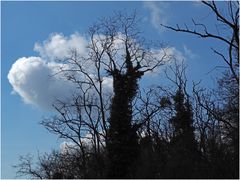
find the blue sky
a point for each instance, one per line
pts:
(25, 23)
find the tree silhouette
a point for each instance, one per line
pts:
(183, 144)
(223, 110)
(122, 141)
(130, 132)
(115, 51)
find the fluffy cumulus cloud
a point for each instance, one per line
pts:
(34, 80)
(37, 81)
(58, 46)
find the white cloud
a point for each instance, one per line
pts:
(58, 46)
(32, 78)
(188, 53)
(171, 53)
(176, 54)
(197, 3)
(157, 13)
(36, 81)
(87, 142)
(107, 83)
(168, 55)
(68, 147)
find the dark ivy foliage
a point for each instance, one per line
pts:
(122, 142)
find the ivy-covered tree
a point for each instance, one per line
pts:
(122, 144)
(122, 141)
(184, 153)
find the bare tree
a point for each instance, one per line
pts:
(230, 21)
(55, 165)
(116, 53)
(115, 129)
(221, 106)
